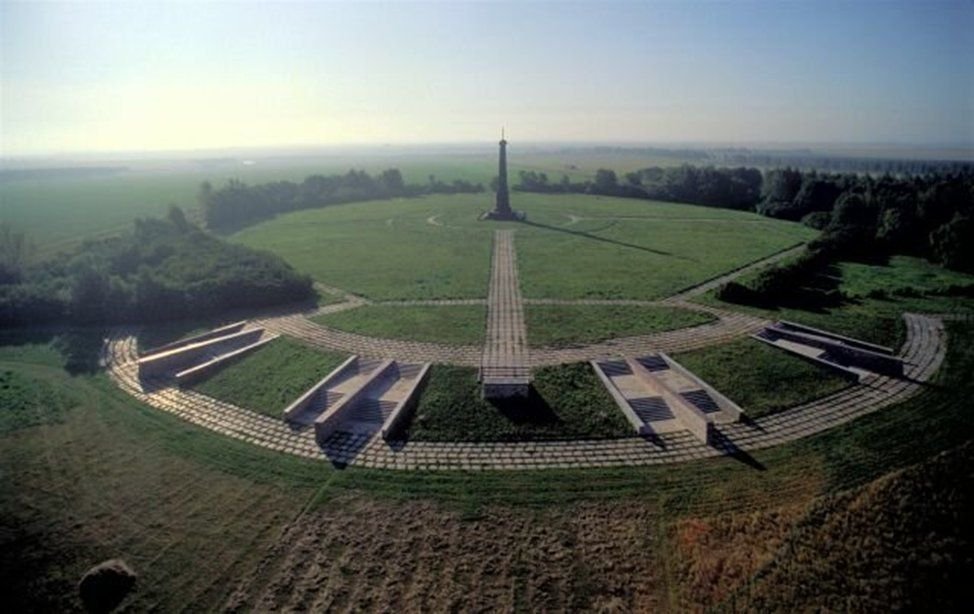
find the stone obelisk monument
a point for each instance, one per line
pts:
(502, 207)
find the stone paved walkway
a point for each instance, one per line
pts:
(505, 352)
(923, 351)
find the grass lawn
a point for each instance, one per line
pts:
(759, 378)
(637, 249)
(568, 402)
(907, 285)
(449, 324)
(384, 250)
(271, 377)
(573, 246)
(567, 325)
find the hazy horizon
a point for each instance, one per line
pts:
(124, 78)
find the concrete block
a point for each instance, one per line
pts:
(302, 402)
(183, 357)
(212, 334)
(400, 415)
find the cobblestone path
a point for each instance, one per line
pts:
(923, 351)
(506, 346)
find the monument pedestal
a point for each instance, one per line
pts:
(504, 216)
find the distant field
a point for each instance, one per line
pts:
(573, 246)
(59, 210)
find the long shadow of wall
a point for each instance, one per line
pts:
(593, 237)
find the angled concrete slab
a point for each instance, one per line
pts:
(658, 395)
(184, 357)
(852, 358)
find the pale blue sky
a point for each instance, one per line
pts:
(153, 76)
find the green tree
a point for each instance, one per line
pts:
(178, 219)
(13, 254)
(952, 244)
(606, 181)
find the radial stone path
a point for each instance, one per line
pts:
(506, 347)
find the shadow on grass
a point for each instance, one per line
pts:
(751, 423)
(80, 346)
(720, 441)
(589, 235)
(532, 411)
(342, 448)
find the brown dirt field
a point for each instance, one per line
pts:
(358, 554)
(716, 556)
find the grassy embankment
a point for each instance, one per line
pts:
(567, 325)
(449, 324)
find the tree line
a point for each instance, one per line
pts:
(236, 204)
(164, 269)
(804, 159)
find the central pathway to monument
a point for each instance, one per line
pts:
(505, 357)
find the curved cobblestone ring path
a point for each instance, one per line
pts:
(923, 351)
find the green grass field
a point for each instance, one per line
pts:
(435, 247)
(449, 324)
(270, 378)
(759, 378)
(383, 250)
